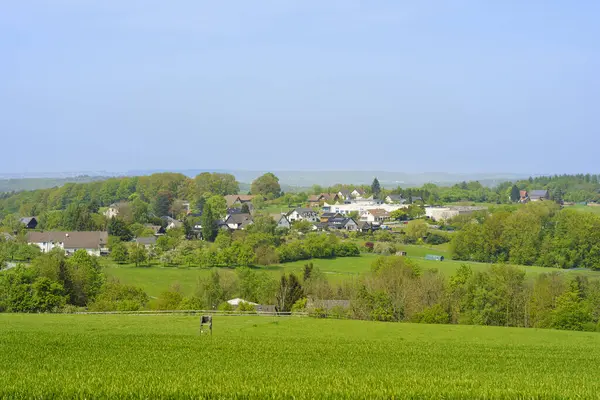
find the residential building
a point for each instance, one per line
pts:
(238, 221)
(394, 199)
(283, 222)
(326, 216)
(348, 224)
(357, 193)
(445, 213)
(344, 195)
(316, 200)
(523, 196)
(303, 214)
(94, 242)
(158, 230)
(234, 200)
(539, 195)
(114, 209)
(172, 223)
(375, 216)
(29, 222)
(147, 242)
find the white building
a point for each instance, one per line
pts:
(303, 214)
(362, 206)
(95, 243)
(376, 216)
(446, 213)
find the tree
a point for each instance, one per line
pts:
(117, 227)
(209, 224)
(162, 204)
(289, 292)
(515, 194)
(375, 187)
(216, 183)
(119, 253)
(137, 254)
(218, 206)
(266, 185)
(416, 229)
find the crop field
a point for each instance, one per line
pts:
(132, 356)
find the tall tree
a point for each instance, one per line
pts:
(117, 227)
(216, 183)
(375, 187)
(515, 194)
(209, 223)
(162, 203)
(289, 292)
(266, 185)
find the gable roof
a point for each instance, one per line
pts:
(344, 193)
(230, 199)
(538, 193)
(523, 193)
(302, 210)
(395, 197)
(71, 240)
(359, 190)
(27, 220)
(378, 212)
(239, 219)
(146, 241)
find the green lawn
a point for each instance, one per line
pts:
(136, 357)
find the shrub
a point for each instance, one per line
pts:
(384, 249)
(369, 246)
(299, 306)
(436, 238)
(347, 249)
(433, 315)
(225, 306)
(246, 307)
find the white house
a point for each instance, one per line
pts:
(283, 222)
(376, 215)
(445, 213)
(357, 193)
(238, 220)
(342, 223)
(394, 199)
(94, 242)
(172, 223)
(303, 214)
(114, 209)
(360, 206)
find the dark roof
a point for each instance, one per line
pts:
(329, 214)
(239, 219)
(301, 210)
(395, 197)
(415, 198)
(538, 193)
(71, 240)
(150, 240)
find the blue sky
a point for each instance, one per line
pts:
(456, 86)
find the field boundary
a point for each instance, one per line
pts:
(196, 312)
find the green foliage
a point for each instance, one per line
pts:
(215, 184)
(289, 292)
(138, 254)
(375, 187)
(115, 296)
(266, 185)
(117, 227)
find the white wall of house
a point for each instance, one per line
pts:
(111, 212)
(362, 207)
(47, 247)
(305, 216)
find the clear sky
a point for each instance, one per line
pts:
(457, 86)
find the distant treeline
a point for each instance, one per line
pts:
(539, 233)
(20, 184)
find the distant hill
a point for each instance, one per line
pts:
(290, 180)
(19, 184)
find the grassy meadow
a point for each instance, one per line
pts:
(135, 357)
(156, 278)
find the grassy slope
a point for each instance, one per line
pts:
(156, 279)
(582, 208)
(66, 356)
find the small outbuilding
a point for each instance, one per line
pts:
(434, 257)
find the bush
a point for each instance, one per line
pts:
(436, 238)
(384, 236)
(433, 315)
(369, 246)
(225, 306)
(386, 249)
(347, 249)
(299, 306)
(246, 307)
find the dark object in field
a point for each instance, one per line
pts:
(434, 257)
(206, 319)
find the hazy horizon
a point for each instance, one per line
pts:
(463, 86)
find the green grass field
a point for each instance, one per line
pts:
(135, 357)
(582, 208)
(157, 279)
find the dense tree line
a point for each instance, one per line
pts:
(536, 234)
